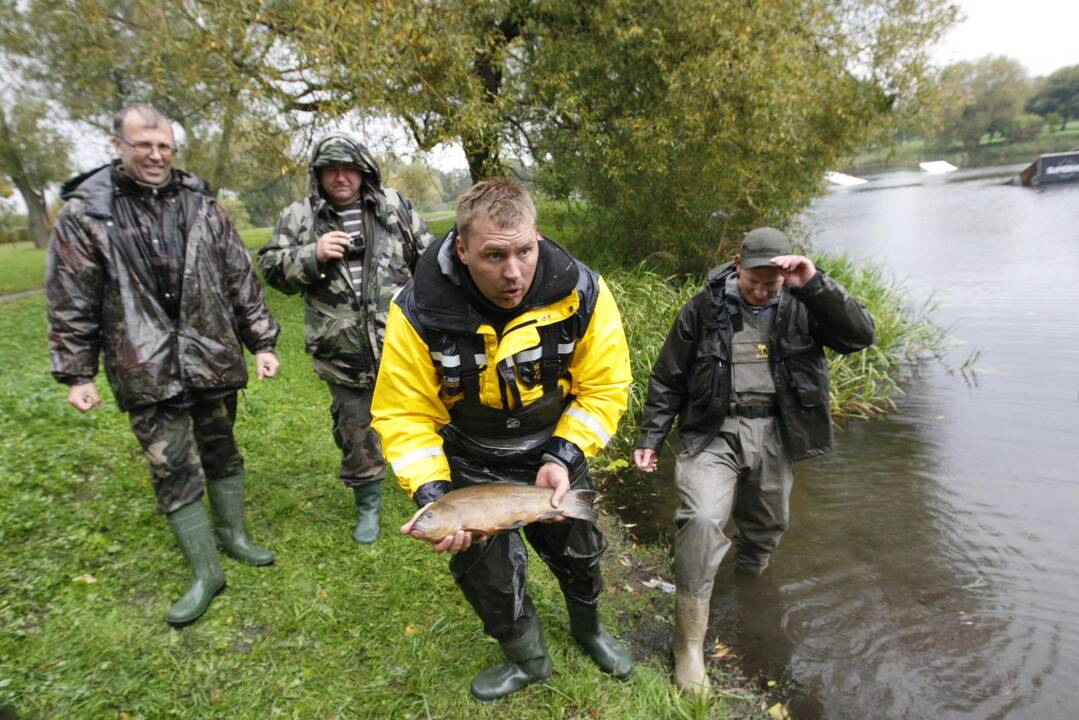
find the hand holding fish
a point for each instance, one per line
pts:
(552, 475)
(455, 542)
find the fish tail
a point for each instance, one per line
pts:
(578, 504)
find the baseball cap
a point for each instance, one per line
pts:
(761, 245)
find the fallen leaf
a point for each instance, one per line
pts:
(85, 578)
(323, 594)
(771, 683)
(778, 712)
(622, 559)
(720, 651)
(411, 630)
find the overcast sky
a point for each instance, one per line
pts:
(1041, 34)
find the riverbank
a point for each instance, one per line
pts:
(907, 155)
(331, 630)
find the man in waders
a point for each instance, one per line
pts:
(146, 268)
(743, 369)
(347, 247)
(505, 360)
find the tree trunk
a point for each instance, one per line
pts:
(38, 213)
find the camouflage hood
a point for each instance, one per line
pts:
(339, 148)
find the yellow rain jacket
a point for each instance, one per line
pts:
(447, 372)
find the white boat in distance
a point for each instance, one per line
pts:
(936, 167)
(838, 178)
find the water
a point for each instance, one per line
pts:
(932, 566)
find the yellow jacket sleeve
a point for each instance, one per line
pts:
(407, 412)
(601, 378)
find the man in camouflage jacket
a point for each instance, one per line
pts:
(348, 248)
(146, 268)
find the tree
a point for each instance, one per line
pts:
(1058, 94)
(683, 122)
(201, 63)
(986, 97)
(33, 154)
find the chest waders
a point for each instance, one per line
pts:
(745, 472)
(483, 445)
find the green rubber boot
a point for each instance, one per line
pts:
(528, 663)
(368, 502)
(227, 500)
(611, 655)
(191, 526)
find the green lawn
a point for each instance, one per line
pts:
(332, 630)
(22, 267)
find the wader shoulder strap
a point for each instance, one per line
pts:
(550, 364)
(470, 373)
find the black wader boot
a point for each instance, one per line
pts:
(528, 663)
(368, 502)
(191, 526)
(227, 500)
(611, 656)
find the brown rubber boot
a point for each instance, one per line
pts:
(690, 627)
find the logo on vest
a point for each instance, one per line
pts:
(762, 351)
(513, 424)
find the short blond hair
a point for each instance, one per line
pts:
(503, 201)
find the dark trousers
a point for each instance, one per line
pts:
(361, 453)
(185, 444)
(493, 574)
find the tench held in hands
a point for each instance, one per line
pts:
(497, 507)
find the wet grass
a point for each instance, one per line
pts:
(22, 268)
(331, 630)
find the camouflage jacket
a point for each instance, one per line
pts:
(343, 335)
(103, 295)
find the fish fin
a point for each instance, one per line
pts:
(578, 505)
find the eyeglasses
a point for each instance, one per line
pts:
(145, 148)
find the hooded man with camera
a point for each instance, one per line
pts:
(348, 248)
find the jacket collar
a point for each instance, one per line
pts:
(441, 299)
(97, 187)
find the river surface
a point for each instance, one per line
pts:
(932, 565)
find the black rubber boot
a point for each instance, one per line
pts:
(368, 502)
(227, 500)
(611, 655)
(528, 663)
(191, 526)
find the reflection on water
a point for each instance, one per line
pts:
(930, 568)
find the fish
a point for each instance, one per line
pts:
(492, 508)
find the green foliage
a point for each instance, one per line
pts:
(415, 180)
(700, 120)
(33, 154)
(1058, 95)
(1024, 127)
(985, 95)
(236, 210)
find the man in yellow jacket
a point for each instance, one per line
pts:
(505, 360)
